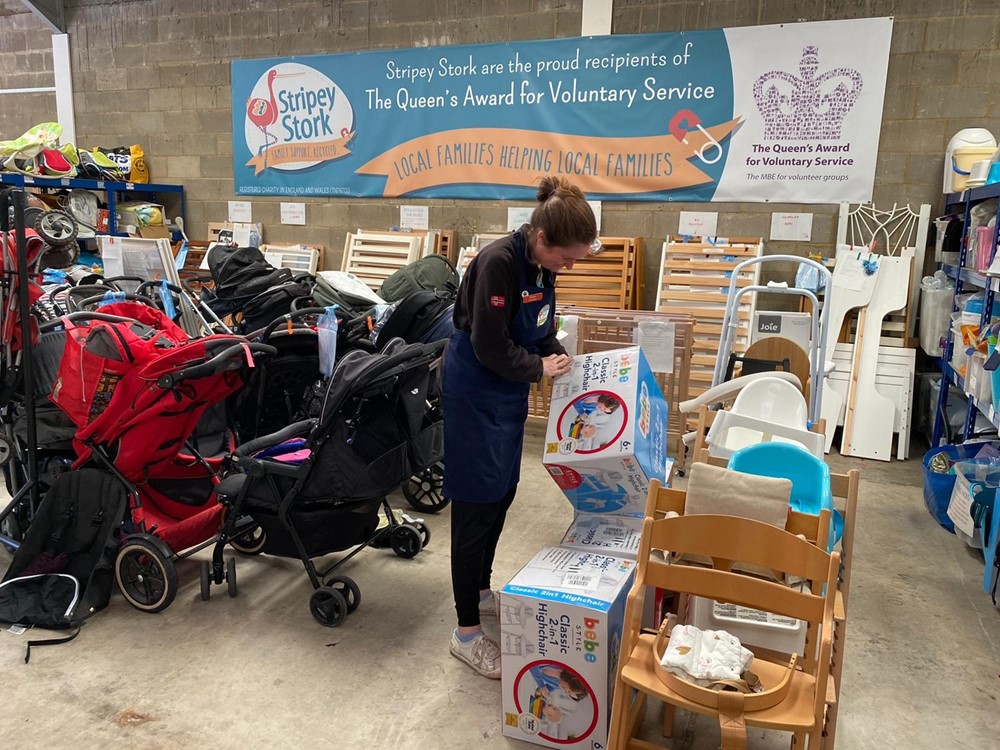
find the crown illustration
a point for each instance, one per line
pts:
(810, 107)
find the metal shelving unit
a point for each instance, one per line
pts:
(964, 278)
(111, 189)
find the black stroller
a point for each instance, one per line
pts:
(317, 486)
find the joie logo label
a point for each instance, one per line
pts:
(768, 324)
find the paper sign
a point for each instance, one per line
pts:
(698, 223)
(293, 213)
(111, 256)
(849, 273)
(656, 339)
(414, 217)
(242, 235)
(794, 227)
(517, 216)
(595, 206)
(240, 211)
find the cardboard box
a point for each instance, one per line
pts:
(607, 433)
(154, 233)
(794, 326)
(604, 535)
(560, 631)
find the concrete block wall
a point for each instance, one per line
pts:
(157, 72)
(25, 62)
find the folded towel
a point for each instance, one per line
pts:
(705, 656)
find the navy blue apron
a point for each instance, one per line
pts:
(485, 412)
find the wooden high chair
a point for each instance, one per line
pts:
(845, 489)
(795, 693)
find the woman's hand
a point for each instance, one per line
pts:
(555, 365)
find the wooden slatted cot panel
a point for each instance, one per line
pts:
(192, 271)
(694, 280)
(374, 257)
(442, 241)
(595, 280)
(479, 241)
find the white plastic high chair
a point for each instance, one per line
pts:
(766, 410)
(768, 407)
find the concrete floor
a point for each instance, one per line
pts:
(921, 671)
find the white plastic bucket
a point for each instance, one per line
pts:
(965, 138)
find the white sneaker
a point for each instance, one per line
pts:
(490, 606)
(481, 653)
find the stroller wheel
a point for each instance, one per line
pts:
(424, 490)
(206, 580)
(425, 532)
(348, 589)
(406, 540)
(56, 227)
(328, 606)
(231, 577)
(145, 573)
(251, 542)
(6, 451)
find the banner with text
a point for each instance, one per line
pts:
(763, 113)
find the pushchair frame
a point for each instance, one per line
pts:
(333, 597)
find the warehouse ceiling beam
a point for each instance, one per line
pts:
(51, 12)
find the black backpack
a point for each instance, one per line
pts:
(241, 273)
(349, 306)
(62, 572)
(415, 315)
(272, 303)
(433, 272)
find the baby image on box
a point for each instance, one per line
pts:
(558, 698)
(591, 422)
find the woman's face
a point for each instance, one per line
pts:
(554, 258)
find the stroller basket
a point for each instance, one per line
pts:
(322, 527)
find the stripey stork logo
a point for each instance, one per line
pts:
(296, 118)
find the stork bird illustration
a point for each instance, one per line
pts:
(264, 112)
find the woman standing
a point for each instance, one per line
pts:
(504, 340)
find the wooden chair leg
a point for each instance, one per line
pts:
(798, 741)
(669, 719)
(619, 716)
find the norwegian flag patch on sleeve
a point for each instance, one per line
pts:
(498, 301)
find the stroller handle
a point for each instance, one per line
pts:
(230, 358)
(112, 280)
(288, 318)
(157, 284)
(128, 297)
(81, 315)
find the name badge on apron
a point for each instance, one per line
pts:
(529, 298)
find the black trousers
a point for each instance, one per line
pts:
(475, 531)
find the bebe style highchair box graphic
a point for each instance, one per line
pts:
(561, 621)
(607, 432)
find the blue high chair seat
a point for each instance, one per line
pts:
(810, 477)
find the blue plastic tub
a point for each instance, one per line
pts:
(938, 487)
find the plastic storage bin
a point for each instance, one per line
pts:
(938, 487)
(935, 317)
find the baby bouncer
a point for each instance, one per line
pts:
(770, 402)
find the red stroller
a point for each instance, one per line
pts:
(149, 407)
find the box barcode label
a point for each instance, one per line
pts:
(618, 532)
(579, 581)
